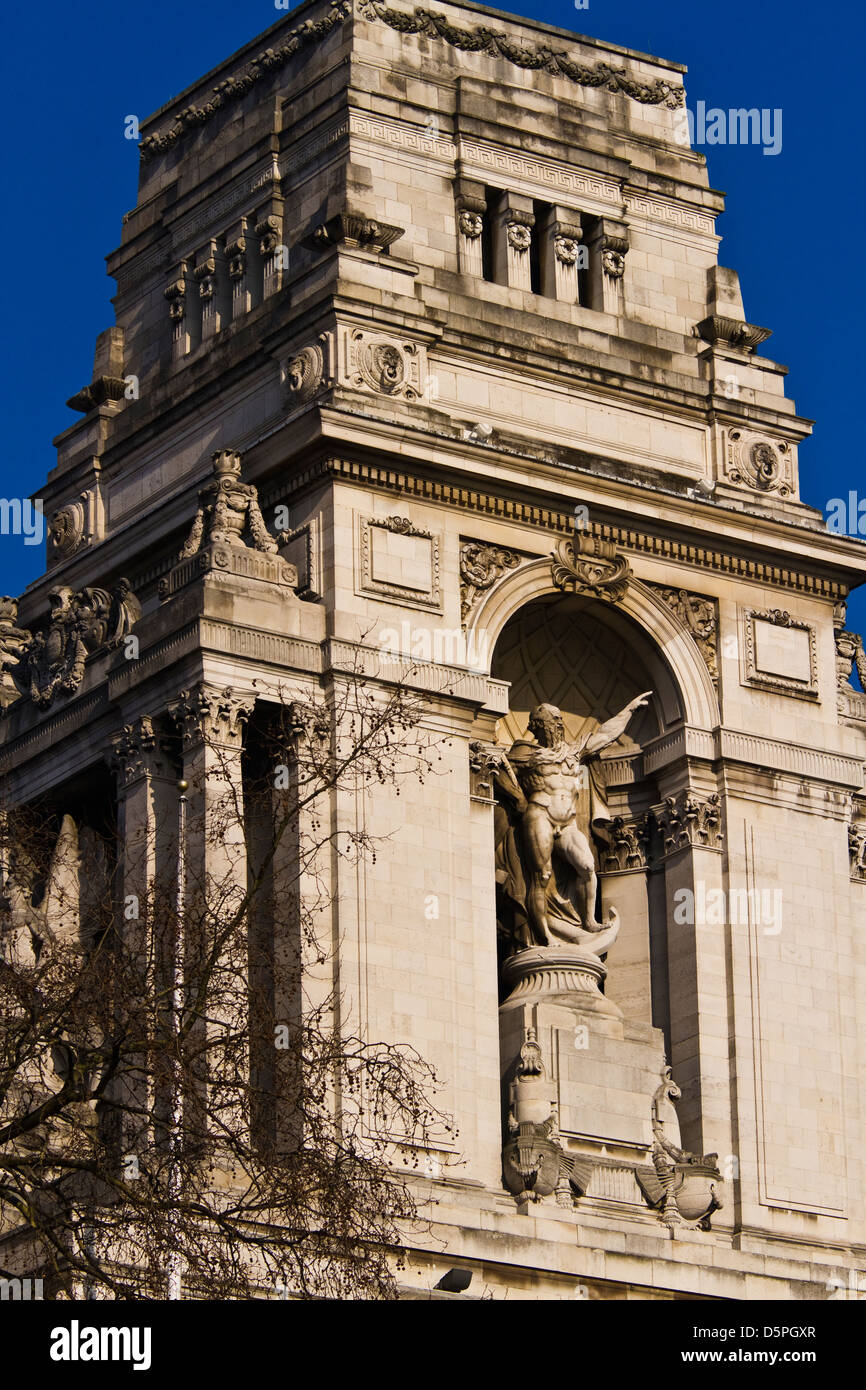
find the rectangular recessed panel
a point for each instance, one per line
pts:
(403, 560)
(782, 651)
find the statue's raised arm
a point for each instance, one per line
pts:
(608, 733)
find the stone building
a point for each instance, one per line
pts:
(442, 286)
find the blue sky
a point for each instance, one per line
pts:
(72, 73)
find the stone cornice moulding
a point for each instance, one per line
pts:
(471, 499)
(232, 88)
(434, 24)
(753, 750)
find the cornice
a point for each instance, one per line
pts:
(312, 31)
(432, 24)
(468, 499)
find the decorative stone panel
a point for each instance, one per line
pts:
(754, 461)
(399, 562)
(780, 653)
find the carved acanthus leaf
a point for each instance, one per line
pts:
(698, 615)
(481, 565)
(690, 820)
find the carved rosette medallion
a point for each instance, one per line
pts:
(590, 566)
(384, 365)
(303, 374)
(699, 616)
(519, 236)
(470, 224)
(565, 249)
(759, 463)
(66, 532)
(481, 565)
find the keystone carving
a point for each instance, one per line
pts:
(480, 567)
(689, 820)
(588, 565)
(225, 507)
(698, 615)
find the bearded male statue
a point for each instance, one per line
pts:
(549, 798)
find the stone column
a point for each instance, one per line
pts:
(211, 723)
(209, 275)
(147, 799)
(470, 225)
(690, 847)
(236, 255)
(512, 241)
(561, 254)
(176, 294)
(624, 886)
(607, 253)
(269, 231)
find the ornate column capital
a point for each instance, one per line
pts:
(689, 820)
(139, 751)
(627, 849)
(205, 715)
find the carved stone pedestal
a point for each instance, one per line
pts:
(567, 974)
(586, 1118)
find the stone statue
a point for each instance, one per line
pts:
(550, 797)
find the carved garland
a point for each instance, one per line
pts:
(311, 31)
(543, 59)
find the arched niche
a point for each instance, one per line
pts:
(591, 658)
(679, 677)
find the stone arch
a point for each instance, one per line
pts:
(683, 684)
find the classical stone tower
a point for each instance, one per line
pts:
(441, 287)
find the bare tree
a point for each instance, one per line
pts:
(184, 1109)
